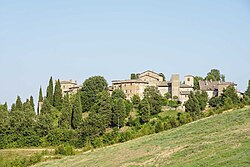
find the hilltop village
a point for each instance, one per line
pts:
(95, 114)
(175, 88)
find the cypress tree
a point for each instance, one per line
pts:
(32, 103)
(76, 112)
(13, 107)
(5, 106)
(19, 104)
(65, 121)
(40, 99)
(49, 95)
(46, 107)
(58, 100)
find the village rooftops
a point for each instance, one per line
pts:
(188, 76)
(185, 86)
(164, 84)
(150, 72)
(129, 81)
(68, 82)
(213, 85)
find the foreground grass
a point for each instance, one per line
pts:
(25, 156)
(221, 140)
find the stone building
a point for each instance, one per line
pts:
(130, 87)
(214, 88)
(177, 90)
(69, 87)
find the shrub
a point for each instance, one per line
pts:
(65, 150)
(159, 126)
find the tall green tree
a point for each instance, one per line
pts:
(215, 75)
(154, 98)
(118, 93)
(202, 98)
(118, 112)
(40, 98)
(50, 88)
(65, 121)
(133, 76)
(230, 92)
(135, 99)
(46, 107)
(90, 89)
(13, 107)
(3, 118)
(223, 78)
(144, 111)
(26, 106)
(19, 104)
(100, 116)
(76, 118)
(192, 105)
(196, 82)
(58, 100)
(32, 103)
(103, 107)
(247, 92)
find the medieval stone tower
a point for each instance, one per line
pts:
(175, 86)
(189, 80)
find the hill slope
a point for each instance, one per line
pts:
(221, 140)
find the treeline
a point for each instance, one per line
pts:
(94, 118)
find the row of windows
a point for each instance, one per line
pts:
(126, 91)
(128, 84)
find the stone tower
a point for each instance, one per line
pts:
(189, 80)
(175, 85)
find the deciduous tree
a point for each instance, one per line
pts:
(144, 111)
(90, 89)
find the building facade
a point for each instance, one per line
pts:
(214, 88)
(174, 87)
(69, 86)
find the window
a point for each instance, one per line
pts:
(188, 79)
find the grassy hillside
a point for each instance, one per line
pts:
(221, 140)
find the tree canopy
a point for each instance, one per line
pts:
(90, 89)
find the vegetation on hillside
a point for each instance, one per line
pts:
(221, 140)
(92, 118)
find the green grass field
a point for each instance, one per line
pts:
(220, 140)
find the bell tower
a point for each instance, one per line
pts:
(189, 80)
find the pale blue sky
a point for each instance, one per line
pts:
(77, 39)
